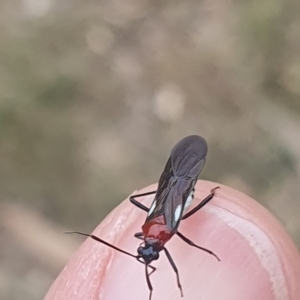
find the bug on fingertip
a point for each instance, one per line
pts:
(172, 199)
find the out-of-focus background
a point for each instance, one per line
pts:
(94, 94)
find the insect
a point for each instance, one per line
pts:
(173, 197)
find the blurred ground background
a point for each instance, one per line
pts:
(94, 94)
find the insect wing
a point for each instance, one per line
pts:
(157, 206)
(174, 205)
(170, 201)
(188, 157)
(178, 180)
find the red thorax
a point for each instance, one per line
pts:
(156, 232)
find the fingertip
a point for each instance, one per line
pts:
(258, 258)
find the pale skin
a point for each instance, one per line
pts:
(258, 258)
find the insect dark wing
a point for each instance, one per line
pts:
(175, 203)
(187, 161)
(172, 194)
(178, 180)
(188, 157)
(157, 206)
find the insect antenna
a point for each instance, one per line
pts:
(148, 281)
(102, 241)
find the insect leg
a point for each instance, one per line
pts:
(139, 204)
(194, 245)
(148, 281)
(151, 267)
(201, 204)
(174, 268)
(139, 235)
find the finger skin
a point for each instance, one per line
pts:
(258, 258)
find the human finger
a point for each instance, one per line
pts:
(258, 258)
